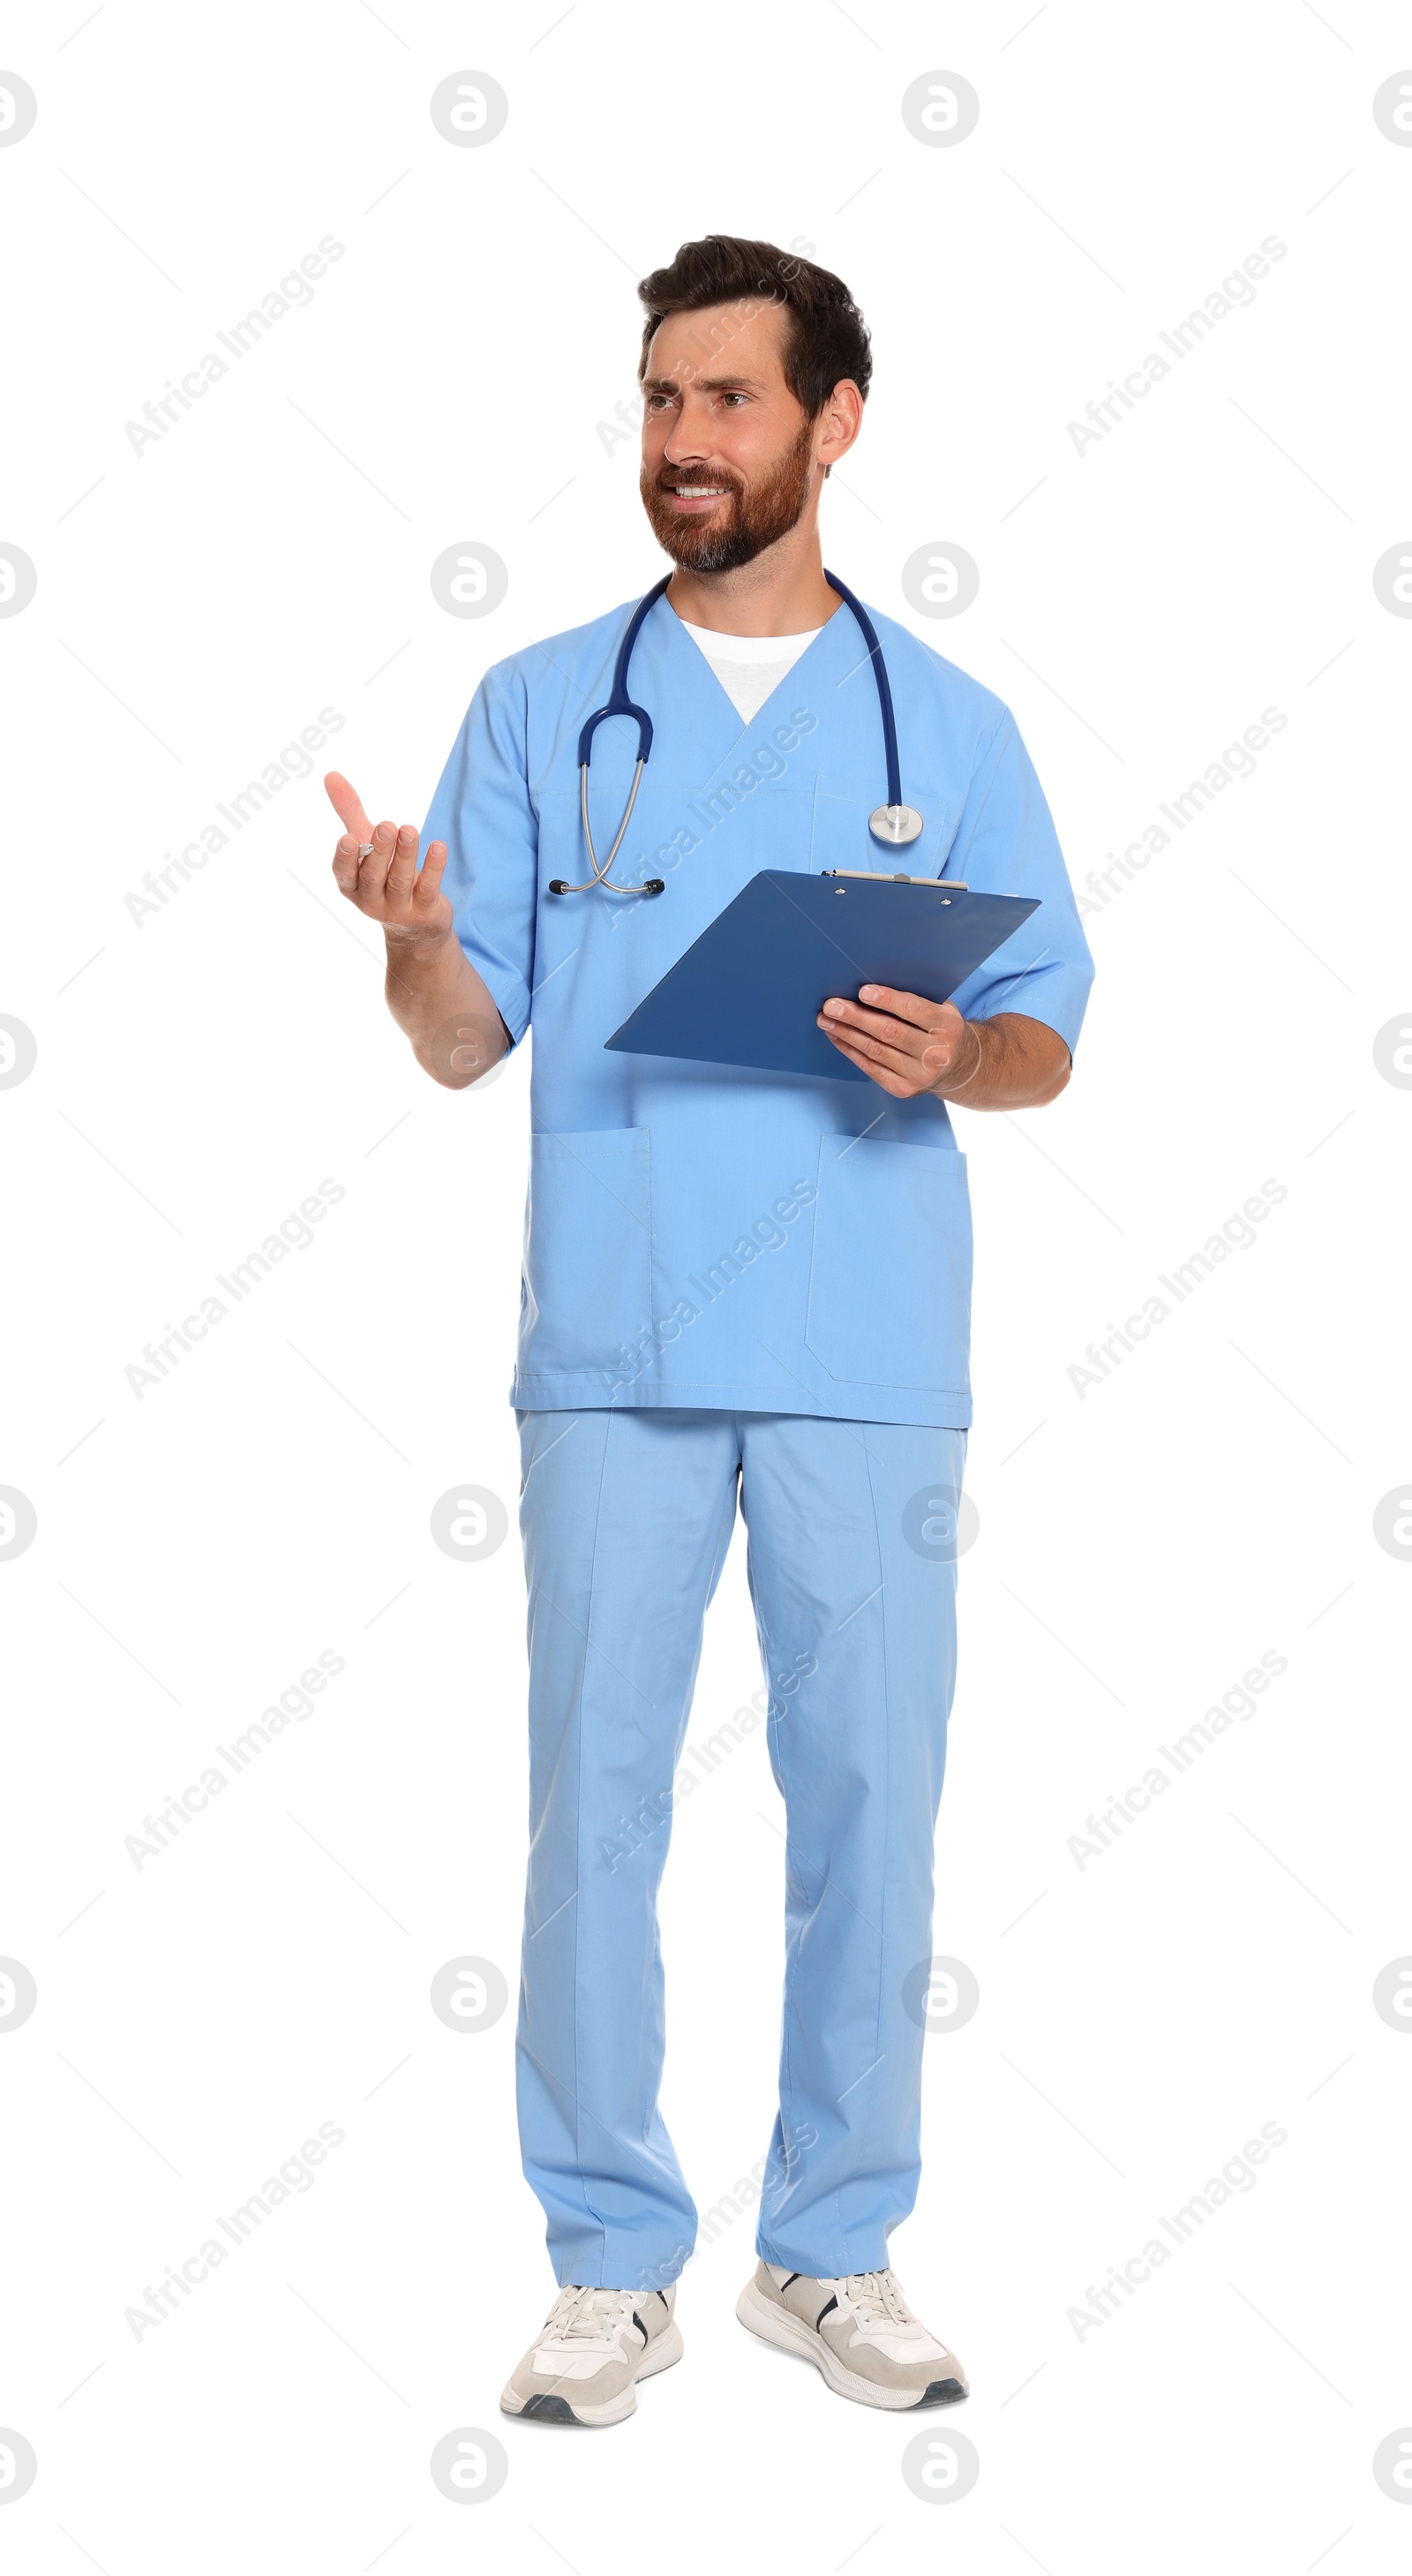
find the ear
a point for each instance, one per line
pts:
(843, 420)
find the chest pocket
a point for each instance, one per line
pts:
(890, 1283)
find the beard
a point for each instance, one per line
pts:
(751, 517)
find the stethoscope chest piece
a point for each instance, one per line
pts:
(895, 824)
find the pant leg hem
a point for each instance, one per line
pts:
(625, 2272)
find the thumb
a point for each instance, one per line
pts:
(347, 805)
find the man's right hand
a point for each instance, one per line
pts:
(405, 902)
(433, 990)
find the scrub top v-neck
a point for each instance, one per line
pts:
(749, 667)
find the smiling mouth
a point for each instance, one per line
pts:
(697, 491)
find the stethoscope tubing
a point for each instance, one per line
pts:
(600, 874)
(620, 704)
(875, 651)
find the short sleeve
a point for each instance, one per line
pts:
(484, 813)
(1006, 844)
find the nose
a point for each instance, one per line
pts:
(680, 448)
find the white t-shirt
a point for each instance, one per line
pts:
(749, 667)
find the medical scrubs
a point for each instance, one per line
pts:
(733, 1279)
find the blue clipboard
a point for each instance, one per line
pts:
(749, 990)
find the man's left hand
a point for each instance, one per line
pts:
(908, 1045)
(902, 1042)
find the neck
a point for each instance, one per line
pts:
(783, 592)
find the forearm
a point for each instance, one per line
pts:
(440, 1003)
(1010, 1062)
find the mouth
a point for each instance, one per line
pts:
(695, 497)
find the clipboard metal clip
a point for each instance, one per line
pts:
(881, 876)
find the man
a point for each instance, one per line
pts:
(730, 1279)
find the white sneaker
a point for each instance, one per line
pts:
(859, 2331)
(583, 2367)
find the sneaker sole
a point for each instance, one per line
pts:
(557, 2409)
(779, 2326)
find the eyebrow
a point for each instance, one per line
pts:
(704, 384)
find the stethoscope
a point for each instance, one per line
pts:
(893, 823)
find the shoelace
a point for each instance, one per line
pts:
(585, 2314)
(876, 2299)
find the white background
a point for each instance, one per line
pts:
(1141, 1545)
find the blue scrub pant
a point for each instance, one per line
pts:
(626, 1518)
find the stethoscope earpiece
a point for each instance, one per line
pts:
(653, 885)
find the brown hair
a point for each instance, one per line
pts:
(827, 338)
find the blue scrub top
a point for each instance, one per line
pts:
(706, 1235)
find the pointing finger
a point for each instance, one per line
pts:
(348, 806)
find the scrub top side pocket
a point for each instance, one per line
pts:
(588, 1250)
(890, 1283)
